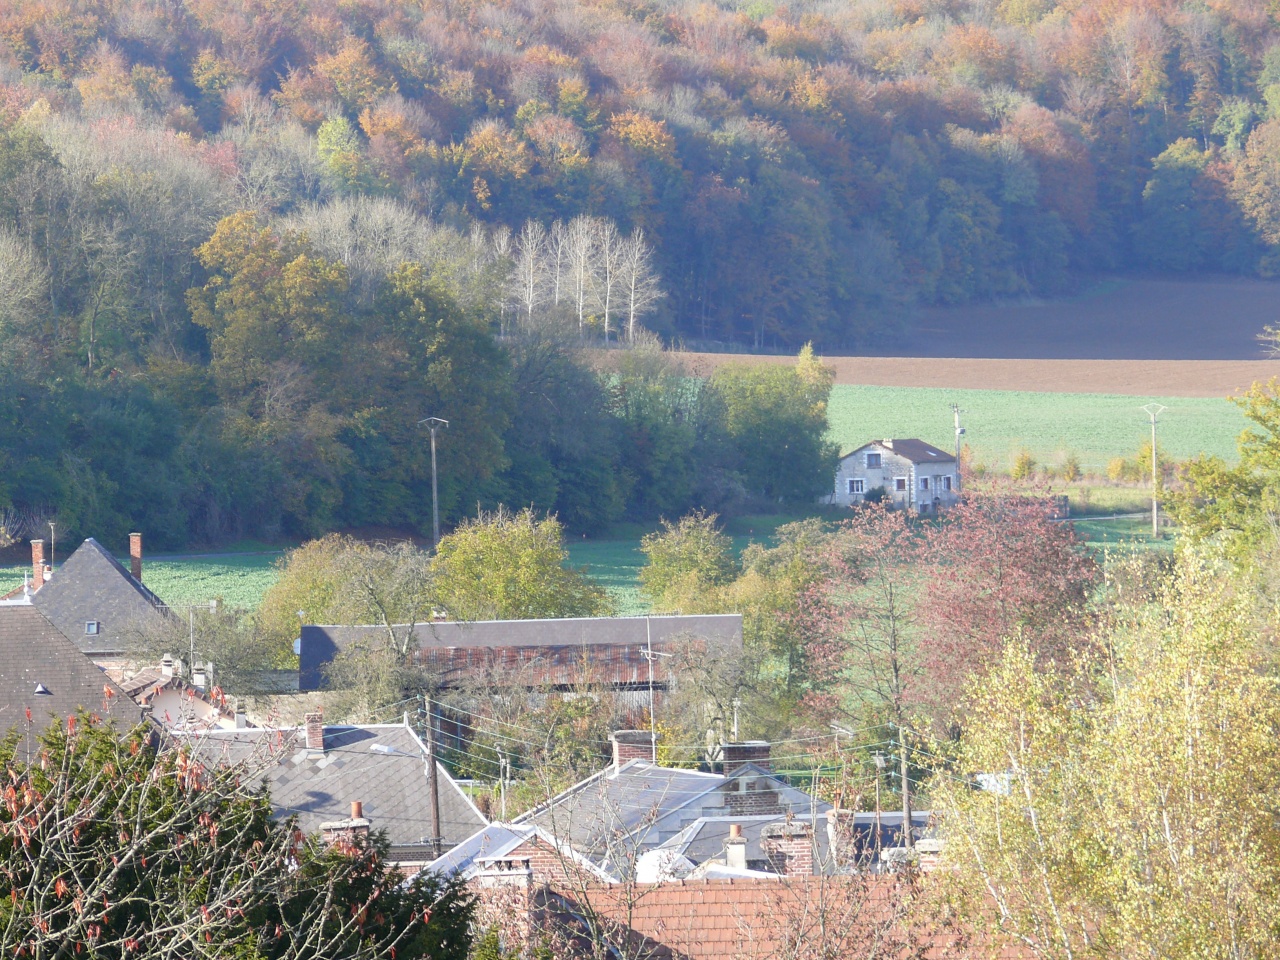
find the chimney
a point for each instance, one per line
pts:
(789, 848)
(37, 564)
(735, 848)
(315, 732)
(348, 835)
(842, 838)
(242, 720)
(750, 751)
(631, 745)
(135, 556)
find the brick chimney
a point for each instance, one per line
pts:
(631, 745)
(750, 751)
(789, 848)
(735, 848)
(348, 834)
(37, 564)
(135, 556)
(315, 732)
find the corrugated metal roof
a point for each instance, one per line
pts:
(552, 651)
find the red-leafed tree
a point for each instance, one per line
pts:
(1000, 564)
(906, 612)
(113, 848)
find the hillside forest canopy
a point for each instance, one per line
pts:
(244, 247)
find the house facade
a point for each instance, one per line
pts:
(912, 474)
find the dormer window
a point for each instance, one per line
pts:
(91, 628)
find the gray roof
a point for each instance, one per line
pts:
(619, 813)
(34, 653)
(917, 451)
(381, 765)
(621, 802)
(552, 640)
(92, 585)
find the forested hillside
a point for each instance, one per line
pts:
(244, 244)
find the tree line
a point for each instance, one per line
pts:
(800, 172)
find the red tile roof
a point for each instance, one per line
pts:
(755, 919)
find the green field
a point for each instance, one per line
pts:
(239, 580)
(1000, 423)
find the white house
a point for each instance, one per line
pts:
(913, 475)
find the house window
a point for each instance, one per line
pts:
(857, 486)
(946, 482)
(873, 461)
(91, 628)
(900, 484)
(924, 483)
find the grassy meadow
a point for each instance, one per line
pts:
(1051, 426)
(1000, 423)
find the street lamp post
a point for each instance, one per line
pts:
(434, 424)
(1153, 410)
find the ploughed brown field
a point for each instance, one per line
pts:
(1139, 378)
(1140, 337)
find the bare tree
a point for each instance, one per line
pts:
(608, 244)
(557, 259)
(500, 245)
(639, 282)
(529, 269)
(581, 259)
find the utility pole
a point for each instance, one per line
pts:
(880, 761)
(434, 424)
(907, 840)
(1153, 410)
(53, 543)
(432, 779)
(502, 782)
(955, 413)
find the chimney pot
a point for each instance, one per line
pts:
(37, 564)
(315, 731)
(735, 848)
(357, 810)
(135, 556)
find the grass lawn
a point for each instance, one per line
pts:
(1051, 426)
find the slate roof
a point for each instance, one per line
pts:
(625, 801)
(616, 814)
(33, 651)
(381, 765)
(547, 651)
(917, 451)
(92, 585)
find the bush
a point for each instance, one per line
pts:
(1071, 468)
(1024, 466)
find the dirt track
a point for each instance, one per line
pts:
(1144, 378)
